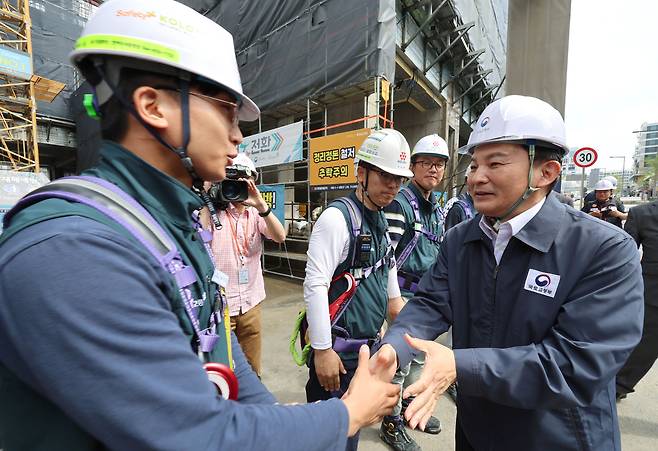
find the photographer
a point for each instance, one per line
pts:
(604, 206)
(237, 249)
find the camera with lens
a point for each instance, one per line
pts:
(232, 189)
(607, 207)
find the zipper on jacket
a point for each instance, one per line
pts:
(493, 305)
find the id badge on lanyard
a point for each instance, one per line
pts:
(243, 275)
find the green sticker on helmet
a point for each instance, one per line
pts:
(125, 44)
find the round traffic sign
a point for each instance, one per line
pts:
(585, 157)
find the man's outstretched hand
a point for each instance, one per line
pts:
(439, 372)
(368, 397)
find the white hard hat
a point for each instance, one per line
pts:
(388, 150)
(612, 179)
(518, 119)
(603, 185)
(431, 145)
(167, 33)
(243, 160)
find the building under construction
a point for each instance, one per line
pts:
(37, 131)
(337, 66)
(319, 69)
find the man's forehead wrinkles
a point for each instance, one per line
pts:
(491, 155)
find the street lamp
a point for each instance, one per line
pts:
(623, 173)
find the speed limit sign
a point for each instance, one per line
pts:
(585, 157)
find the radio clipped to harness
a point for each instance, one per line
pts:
(363, 248)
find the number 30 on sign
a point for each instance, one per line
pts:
(585, 157)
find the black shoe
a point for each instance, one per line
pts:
(620, 396)
(393, 433)
(452, 392)
(433, 425)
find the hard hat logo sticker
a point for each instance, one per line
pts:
(484, 122)
(137, 14)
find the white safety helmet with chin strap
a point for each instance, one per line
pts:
(521, 120)
(162, 37)
(518, 119)
(388, 150)
(165, 38)
(431, 146)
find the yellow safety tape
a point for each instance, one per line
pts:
(125, 44)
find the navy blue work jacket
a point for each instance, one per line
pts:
(539, 338)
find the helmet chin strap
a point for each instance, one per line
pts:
(528, 192)
(364, 190)
(181, 151)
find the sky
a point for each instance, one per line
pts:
(612, 76)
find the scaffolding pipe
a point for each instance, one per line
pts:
(456, 76)
(459, 36)
(424, 25)
(477, 102)
(378, 80)
(482, 77)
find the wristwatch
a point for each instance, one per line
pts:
(266, 212)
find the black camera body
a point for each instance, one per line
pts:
(232, 189)
(607, 207)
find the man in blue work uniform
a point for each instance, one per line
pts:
(545, 301)
(101, 347)
(415, 222)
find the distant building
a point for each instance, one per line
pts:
(645, 150)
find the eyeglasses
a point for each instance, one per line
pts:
(389, 178)
(428, 164)
(233, 108)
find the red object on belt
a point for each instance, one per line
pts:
(224, 379)
(336, 306)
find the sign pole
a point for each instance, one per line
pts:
(582, 190)
(584, 158)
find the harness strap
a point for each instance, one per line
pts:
(111, 201)
(361, 273)
(408, 281)
(468, 211)
(419, 228)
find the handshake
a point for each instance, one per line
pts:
(371, 395)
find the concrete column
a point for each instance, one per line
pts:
(537, 49)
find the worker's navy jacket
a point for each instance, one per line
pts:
(95, 346)
(539, 338)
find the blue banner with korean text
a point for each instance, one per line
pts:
(275, 196)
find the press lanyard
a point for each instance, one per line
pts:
(241, 252)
